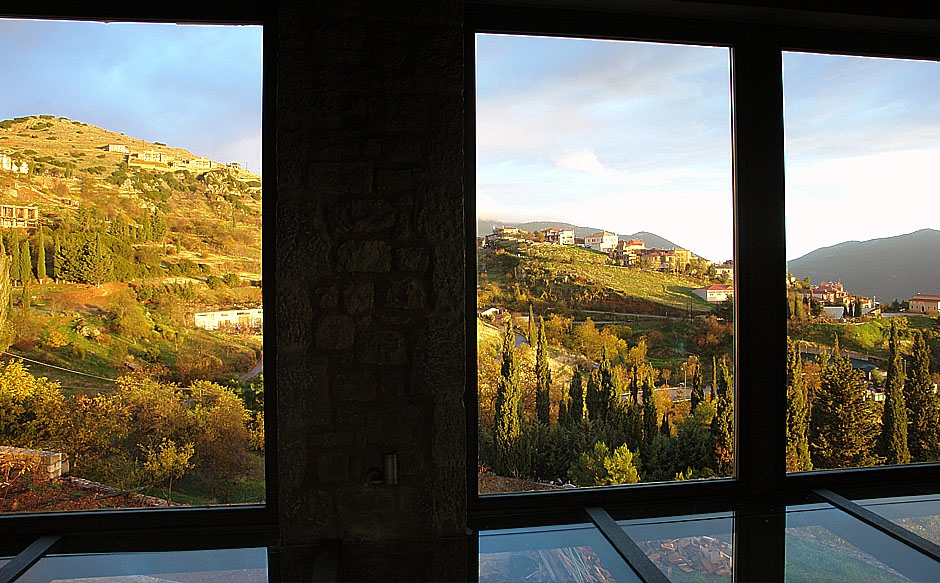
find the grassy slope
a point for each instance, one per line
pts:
(586, 268)
(202, 221)
(199, 219)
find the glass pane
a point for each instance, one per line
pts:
(825, 544)
(553, 553)
(862, 139)
(130, 225)
(919, 514)
(694, 548)
(230, 565)
(605, 281)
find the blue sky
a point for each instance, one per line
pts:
(630, 137)
(196, 87)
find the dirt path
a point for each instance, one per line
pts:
(91, 297)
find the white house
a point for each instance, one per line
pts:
(716, 293)
(238, 319)
(602, 241)
(558, 236)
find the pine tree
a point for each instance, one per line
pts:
(893, 443)
(508, 413)
(26, 264)
(543, 375)
(843, 419)
(923, 406)
(798, 459)
(41, 258)
(95, 262)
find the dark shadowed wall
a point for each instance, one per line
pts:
(370, 274)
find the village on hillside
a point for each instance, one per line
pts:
(833, 301)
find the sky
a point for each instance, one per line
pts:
(630, 137)
(196, 87)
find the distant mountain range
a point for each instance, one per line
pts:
(653, 241)
(889, 268)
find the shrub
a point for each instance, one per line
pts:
(55, 339)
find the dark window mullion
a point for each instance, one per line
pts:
(760, 262)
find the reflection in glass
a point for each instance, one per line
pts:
(688, 548)
(604, 274)
(576, 553)
(918, 514)
(229, 565)
(825, 544)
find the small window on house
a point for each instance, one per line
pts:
(131, 188)
(604, 263)
(862, 140)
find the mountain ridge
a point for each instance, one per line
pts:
(887, 268)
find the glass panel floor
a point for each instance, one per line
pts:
(818, 542)
(249, 565)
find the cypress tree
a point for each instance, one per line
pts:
(664, 426)
(923, 406)
(57, 248)
(26, 264)
(798, 459)
(650, 415)
(722, 426)
(16, 273)
(714, 389)
(576, 398)
(543, 375)
(41, 258)
(529, 337)
(508, 404)
(698, 393)
(894, 417)
(593, 399)
(843, 419)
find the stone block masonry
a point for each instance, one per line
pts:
(370, 264)
(45, 465)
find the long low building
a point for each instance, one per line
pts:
(924, 303)
(235, 319)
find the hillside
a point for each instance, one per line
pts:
(212, 211)
(893, 267)
(485, 227)
(571, 278)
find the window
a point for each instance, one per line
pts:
(141, 147)
(860, 136)
(604, 262)
(776, 525)
(760, 248)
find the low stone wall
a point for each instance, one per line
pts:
(104, 490)
(45, 465)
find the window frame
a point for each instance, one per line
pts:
(184, 527)
(757, 41)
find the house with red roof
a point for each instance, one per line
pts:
(715, 293)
